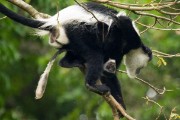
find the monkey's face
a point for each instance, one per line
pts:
(137, 59)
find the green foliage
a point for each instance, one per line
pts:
(24, 57)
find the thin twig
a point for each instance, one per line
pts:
(161, 54)
(103, 36)
(144, 9)
(155, 20)
(168, 13)
(156, 16)
(137, 8)
(152, 101)
(86, 10)
(159, 91)
(163, 29)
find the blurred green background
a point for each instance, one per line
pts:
(24, 56)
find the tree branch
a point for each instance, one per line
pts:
(152, 101)
(161, 54)
(156, 16)
(29, 9)
(114, 103)
(84, 7)
(147, 10)
(159, 91)
(138, 7)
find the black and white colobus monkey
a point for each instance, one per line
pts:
(92, 43)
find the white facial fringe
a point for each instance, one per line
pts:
(43, 81)
(135, 59)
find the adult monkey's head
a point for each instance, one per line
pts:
(137, 55)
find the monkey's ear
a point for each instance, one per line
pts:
(54, 34)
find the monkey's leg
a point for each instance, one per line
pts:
(94, 69)
(71, 60)
(109, 78)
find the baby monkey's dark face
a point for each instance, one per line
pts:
(110, 66)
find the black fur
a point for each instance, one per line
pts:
(119, 40)
(71, 59)
(92, 6)
(92, 45)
